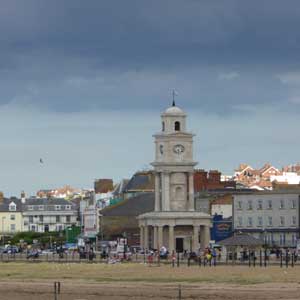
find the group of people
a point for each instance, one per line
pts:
(207, 255)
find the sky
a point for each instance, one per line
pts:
(83, 83)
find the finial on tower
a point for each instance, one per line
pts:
(174, 93)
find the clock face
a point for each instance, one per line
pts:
(178, 149)
(161, 149)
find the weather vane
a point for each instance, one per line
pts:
(174, 94)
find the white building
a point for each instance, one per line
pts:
(286, 177)
(271, 216)
(43, 215)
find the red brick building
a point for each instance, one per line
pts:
(211, 180)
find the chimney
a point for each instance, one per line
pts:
(1, 197)
(23, 197)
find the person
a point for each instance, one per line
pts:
(163, 252)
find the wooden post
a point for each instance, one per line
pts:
(179, 292)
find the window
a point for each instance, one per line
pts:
(12, 207)
(250, 204)
(57, 207)
(260, 221)
(41, 218)
(12, 217)
(259, 204)
(281, 221)
(30, 219)
(68, 219)
(269, 204)
(282, 239)
(240, 221)
(270, 221)
(68, 207)
(281, 204)
(294, 220)
(59, 228)
(41, 207)
(32, 228)
(177, 126)
(250, 221)
(239, 204)
(293, 204)
(30, 207)
(294, 239)
(163, 126)
(13, 227)
(57, 219)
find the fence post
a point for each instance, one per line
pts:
(260, 258)
(286, 259)
(179, 292)
(249, 258)
(56, 289)
(265, 258)
(293, 256)
(281, 259)
(177, 259)
(188, 261)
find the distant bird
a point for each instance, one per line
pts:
(41, 161)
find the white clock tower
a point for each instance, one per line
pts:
(174, 223)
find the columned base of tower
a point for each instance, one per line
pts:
(177, 231)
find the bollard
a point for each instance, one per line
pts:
(293, 257)
(254, 259)
(199, 261)
(178, 259)
(188, 261)
(281, 260)
(265, 258)
(286, 259)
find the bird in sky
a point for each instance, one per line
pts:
(41, 161)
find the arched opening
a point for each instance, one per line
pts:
(177, 126)
(163, 126)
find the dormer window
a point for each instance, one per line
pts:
(177, 126)
(12, 207)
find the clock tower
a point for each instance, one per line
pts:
(174, 223)
(174, 165)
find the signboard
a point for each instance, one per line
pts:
(221, 229)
